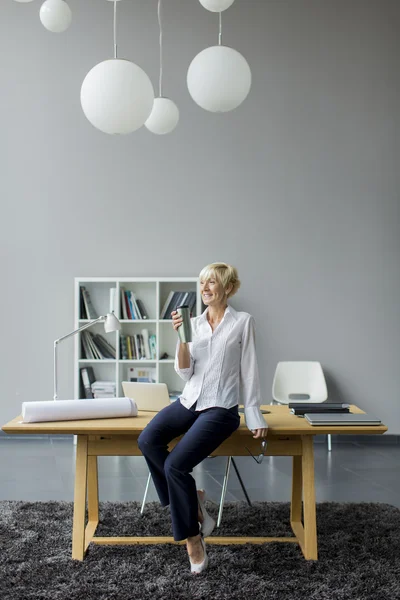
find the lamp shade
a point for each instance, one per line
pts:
(111, 323)
(216, 5)
(219, 79)
(164, 117)
(117, 96)
(23, 1)
(55, 15)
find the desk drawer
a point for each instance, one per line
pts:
(113, 445)
(280, 445)
(126, 445)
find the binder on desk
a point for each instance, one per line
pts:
(320, 405)
(341, 419)
(300, 412)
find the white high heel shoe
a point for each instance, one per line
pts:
(208, 524)
(199, 567)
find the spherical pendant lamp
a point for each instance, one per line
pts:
(55, 15)
(219, 79)
(164, 117)
(117, 96)
(216, 5)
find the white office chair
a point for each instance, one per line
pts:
(300, 381)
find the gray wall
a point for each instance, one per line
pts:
(298, 188)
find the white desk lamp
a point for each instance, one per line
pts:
(111, 324)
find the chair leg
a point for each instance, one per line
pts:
(241, 482)
(329, 443)
(145, 493)
(223, 493)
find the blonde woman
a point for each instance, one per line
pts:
(220, 369)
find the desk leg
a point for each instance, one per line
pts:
(93, 500)
(296, 517)
(310, 518)
(297, 491)
(93, 489)
(78, 530)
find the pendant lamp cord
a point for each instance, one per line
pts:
(161, 51)
(220, 29)
(115, 28)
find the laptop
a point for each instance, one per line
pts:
(341, 419)
(148, 396)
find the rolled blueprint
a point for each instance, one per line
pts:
(75, 410)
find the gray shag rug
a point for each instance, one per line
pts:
(359, 555)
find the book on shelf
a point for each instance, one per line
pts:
(132, 308)
(105, 347)
(142, 308)
(95, 346)
(82, 309)
(123, 350)
(87, 378)
(87, 309)
(144, 374)
(91, 351)
(153, 346)
(146, 344)
(129, 305)
(113, 299)
(135, 308)
(176, 299)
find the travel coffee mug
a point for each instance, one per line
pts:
(185, 330)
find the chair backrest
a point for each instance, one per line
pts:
(299, 381)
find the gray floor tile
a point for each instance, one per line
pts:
(387, 478)
(43, 490)
(368, 493)
(28, 468)
(24, 447)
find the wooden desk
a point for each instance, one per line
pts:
(288, 435)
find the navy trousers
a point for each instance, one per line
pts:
(204, 431)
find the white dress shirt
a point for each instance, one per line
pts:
(223, 366)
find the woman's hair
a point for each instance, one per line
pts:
(225, 274)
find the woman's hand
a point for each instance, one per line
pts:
(177, 319)
(259, 433)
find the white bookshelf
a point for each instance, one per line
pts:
(153, 292)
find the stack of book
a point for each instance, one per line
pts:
(327, 414)
(131, 306)
(103, 389)
(176, 299)
(302, 408)
(138, 346)
(95, 346)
